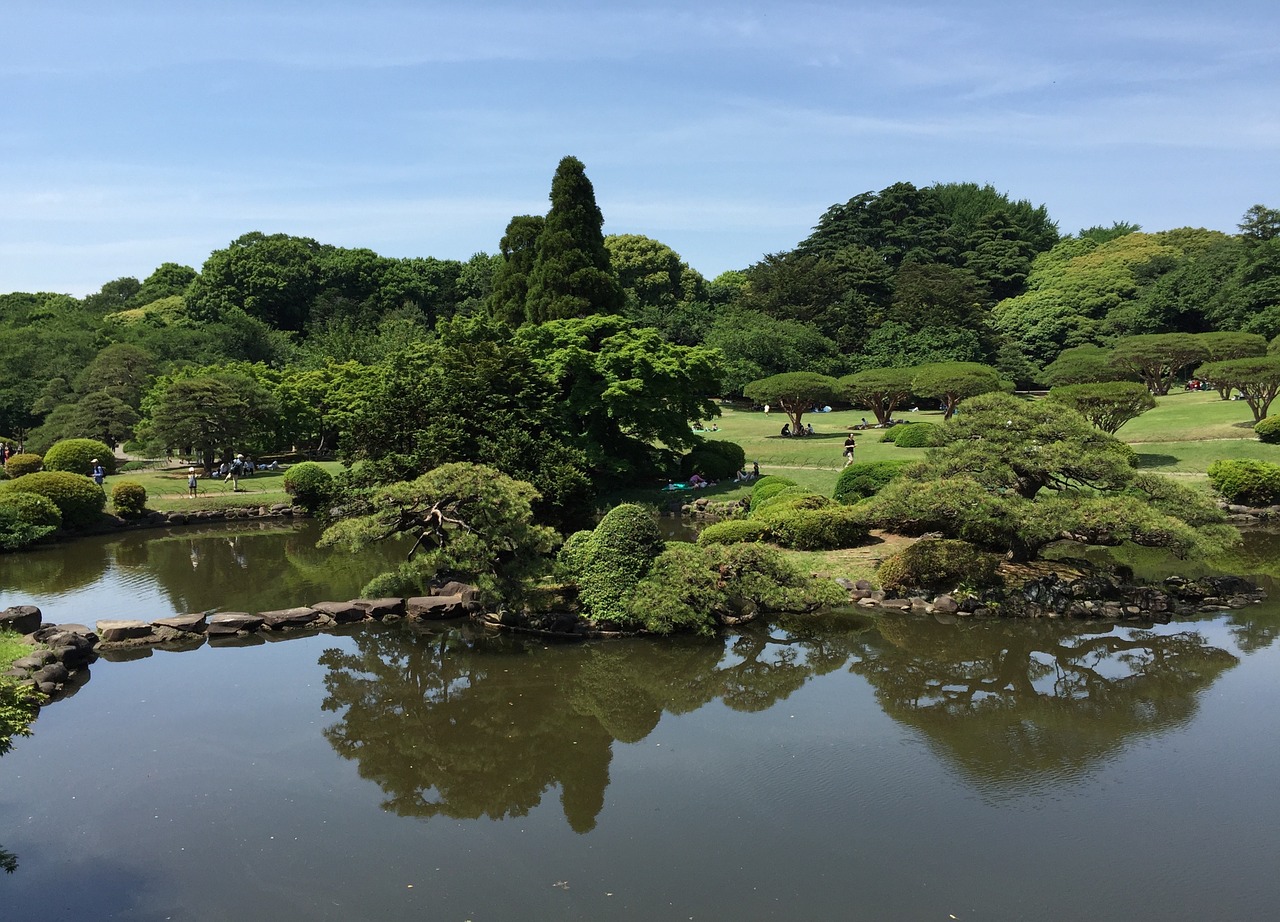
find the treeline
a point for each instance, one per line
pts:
(602, 347)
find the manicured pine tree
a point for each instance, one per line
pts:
(571, 275)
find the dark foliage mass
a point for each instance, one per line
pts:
(577, 361)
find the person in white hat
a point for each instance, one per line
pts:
(98, 472)
(193, 482)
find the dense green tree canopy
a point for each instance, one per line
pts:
(1107, 405)
(795, 393)
(571, 274)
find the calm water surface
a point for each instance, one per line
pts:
(840, 766)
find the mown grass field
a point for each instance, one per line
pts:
(1183, 435)
(166, 488)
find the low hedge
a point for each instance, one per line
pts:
(1268, 430)
(938, 564)
(824, 528)
(733, 531)
(1249, 483)
(77, 497)
(866, 478)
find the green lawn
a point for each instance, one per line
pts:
(167, 488)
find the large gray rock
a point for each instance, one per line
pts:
(193, 623)
(380, 608)
(284, 619)
(233, 622)
(435, 607)
(21, 619)
(342, 612)
(114, 631)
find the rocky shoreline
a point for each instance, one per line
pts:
(62, 653)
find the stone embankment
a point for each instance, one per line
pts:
(1250, 515)
(192, 516)
(61, 653)
(1101, 596)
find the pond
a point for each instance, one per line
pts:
(834, 766)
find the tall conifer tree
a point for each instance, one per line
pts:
(511, 282)
(571, 274)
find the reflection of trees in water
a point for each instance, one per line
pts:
(463, 725)
(52, 570)
(1257, 558)
(1017, 703)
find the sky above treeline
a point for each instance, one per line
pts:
(136, 133)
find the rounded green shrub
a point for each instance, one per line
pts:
(824, 528)
(621, 551)
(129, 499)
(1249, 483)
(77, 497)
(767, 486)
(76, 456)
(1268, 430)
(890, 435)
(20, 465)
(25, 518)
(917, 435)
(788, 500)
(572, 554)
(733, 531)
(714, 460)
(865, 478)
(938, 564)
(309, 484)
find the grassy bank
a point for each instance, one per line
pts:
(166, 487)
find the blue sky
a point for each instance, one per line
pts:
(136, 133)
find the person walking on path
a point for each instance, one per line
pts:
(234, 472)
(98, 471)
(849, 446)
(193, 482)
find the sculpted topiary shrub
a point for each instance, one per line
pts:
(714, 460)
(572, 555)
(760, 506)
(621, 551)
(733, 531)
(19, 465)
(865, 478)
(309, 484)
(826, 528)
(77, 497)
(76, 456)
(938, 564)
(129, 499)
(25, 518)
(1249, 483)
(768, 485)
(1268, 430)
(697, 588)
(917, 435)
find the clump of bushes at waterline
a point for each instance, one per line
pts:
(309, 484)
(26, 518)
(1246, 482)
(129, 499)
(939, 564)
(78, 498)
(627, 577)
(791, 516)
